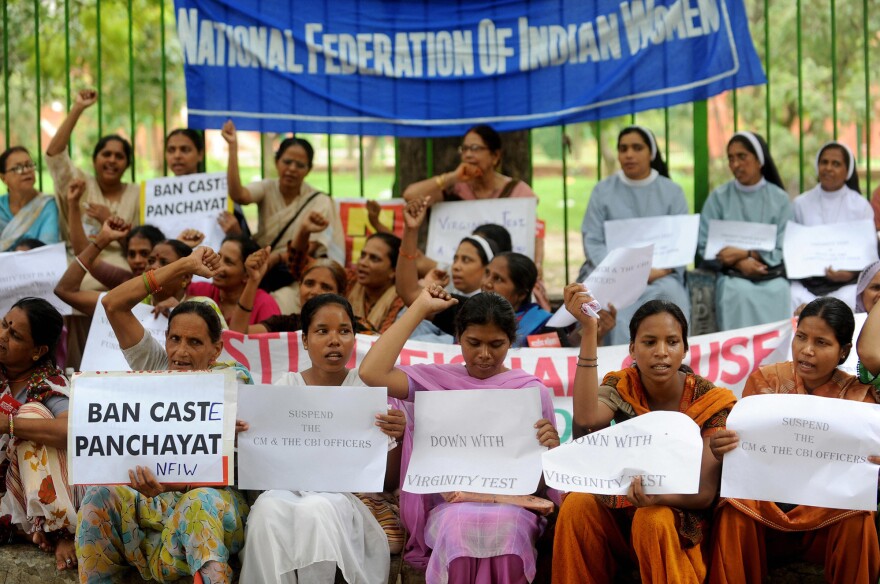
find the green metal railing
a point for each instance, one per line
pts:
(793, 113)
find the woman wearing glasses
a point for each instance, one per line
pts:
(284, 202)
(24, 212)
(475, 178)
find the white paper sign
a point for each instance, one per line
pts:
(481, 441)
(741, 234)
(664, 448)
(192, 201)
(32, 273)
(674, 237)
(804, 450)
(620, 279)
(843, 246)
(452, 221)
(102, 352)
(312, 438)
(179, 424)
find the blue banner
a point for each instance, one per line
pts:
(437, 67)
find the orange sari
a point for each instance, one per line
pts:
(595, 532)
(844, 540)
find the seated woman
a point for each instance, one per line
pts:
(106, 194)
(475, 177)
(462, 542)
(285, 201)
(836, 199)
(230, 280)
(303, 536)
(751, 288)
(640, 189)
(747, 532)
(163, 253)
(185, 154)
(868, 288)
(24, 212)
(163, 531)
(37, 498)
(663, 533)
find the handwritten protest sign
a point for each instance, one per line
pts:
(804, 450)
(620, 279)
(741, 234)
(356, 223)
(664, 448)
(498, 455)
(674, 237)
(312, 438)
(452, 221)
(843, 246)
(180, 425)
(32, 273)
(191, 201)
(102, 352)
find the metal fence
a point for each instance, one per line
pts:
(817, 54)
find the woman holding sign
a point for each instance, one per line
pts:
(34, 399)
(462, 542)
(166, 531)
(305, 536)
(747, 532)
(665, 533)
(751, 288)
(836, 199)
(106, 194)
(640, 189)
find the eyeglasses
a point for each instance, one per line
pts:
(23, 168)
(475, 148)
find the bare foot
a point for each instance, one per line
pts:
(39, 538)
(65, 554)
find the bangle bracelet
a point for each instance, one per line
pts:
(240, 305)
(587, 358)
(82, 265)
(96, 245)
(414, 256)
(11, 421)
(146, 283)
(152, 281)
(587, 365)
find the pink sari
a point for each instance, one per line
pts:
(468, 542)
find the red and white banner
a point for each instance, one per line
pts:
(726, 358)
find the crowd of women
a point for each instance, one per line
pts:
(288, 277)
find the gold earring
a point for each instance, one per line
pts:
(36, 357)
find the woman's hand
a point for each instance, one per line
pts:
(257, 264)
(240, 426)
(75, 190)
(636, 494)
(392, 424)
(547, 434)
(657, 273)
(467, 172)
(414, 213)
(165, 307)
(431, 300)
(204, 262)
(722, 442)
(314, 222)
(113, 229)
(840, 276)
(144, 482)
(191, 237)
(98, 211)
(729, 255)
(86, 98)
(574, 296)
(436, 277)
(228, 132)
(751, 267)
(607, 321)
(229, 224)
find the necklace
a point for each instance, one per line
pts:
(20, 379)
